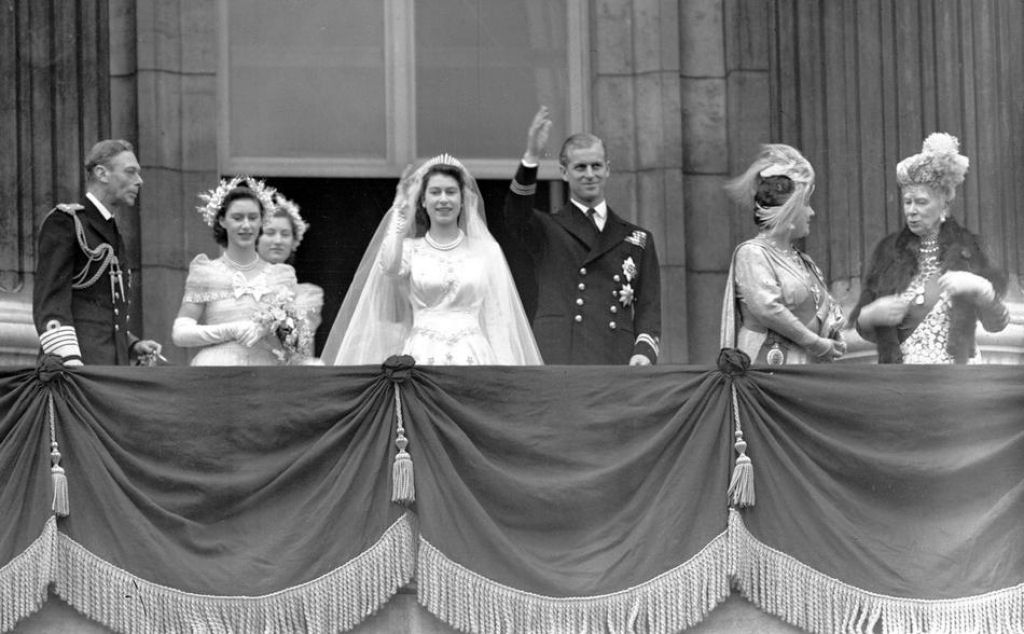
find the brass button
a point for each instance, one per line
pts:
(583, 270)
(578, 318)
(579, 301)
(614, 309)
(611, 325)
(615, 278)
(582, 286)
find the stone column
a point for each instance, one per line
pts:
(177, 114)
(54, 106)
(636, 110)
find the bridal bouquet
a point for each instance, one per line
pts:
(280, 316)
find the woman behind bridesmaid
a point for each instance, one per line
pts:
(281, 236)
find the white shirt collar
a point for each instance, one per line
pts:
(102, 209)
(600, 212)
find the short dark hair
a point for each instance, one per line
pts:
(103, 152)
(422, 218)
(220, 234)
(578, 141)
(772, 191)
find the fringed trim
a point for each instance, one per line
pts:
(676, 599)
(334, 602)
(779, 584)
(24, 580)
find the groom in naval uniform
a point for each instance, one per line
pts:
(81, 299)
(597, 277)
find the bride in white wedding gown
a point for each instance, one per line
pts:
(433, 283)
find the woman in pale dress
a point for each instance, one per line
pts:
(282, 234)
(433, 283)
(928, 285)
(226, 297)
(777, 307)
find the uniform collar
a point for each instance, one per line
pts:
(600, 211)
(99, 206)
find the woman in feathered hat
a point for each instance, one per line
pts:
(777, 307)
(929, 284)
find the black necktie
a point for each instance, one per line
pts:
(591, 214)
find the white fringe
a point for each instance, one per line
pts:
(779, 584)
(674, 600)
(25, 579)
(334, 602)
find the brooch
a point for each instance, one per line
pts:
(630, 272)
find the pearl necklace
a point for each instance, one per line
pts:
(242, 267)
(927, 267)
(444, 247)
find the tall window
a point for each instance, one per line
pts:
(361, 88)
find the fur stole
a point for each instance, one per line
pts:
(894, 263)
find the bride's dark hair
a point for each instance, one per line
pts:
(422, 219)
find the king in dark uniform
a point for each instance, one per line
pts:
(81, 298)
(597, 277)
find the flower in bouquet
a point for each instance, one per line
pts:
(280, 316)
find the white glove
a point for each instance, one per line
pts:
(187, 333)
(827, 349)
(884, 311)
(967, 285)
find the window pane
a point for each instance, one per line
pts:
(482, 70)
(307, 78)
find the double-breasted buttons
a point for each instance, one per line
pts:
(613, 309)
(582, 286)
(578, 318)
(583, 270)
(579, 301)
(611, 325)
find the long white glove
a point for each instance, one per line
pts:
(187, 333)
(968, 285)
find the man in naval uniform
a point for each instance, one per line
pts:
(81, 301)
(597, 276)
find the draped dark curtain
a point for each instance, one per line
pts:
(545, 499)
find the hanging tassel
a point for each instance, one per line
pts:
(741, 486)
(403, 486)
(60, 505)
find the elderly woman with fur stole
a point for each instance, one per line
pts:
(928, 285)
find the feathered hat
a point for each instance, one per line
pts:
(939, 165)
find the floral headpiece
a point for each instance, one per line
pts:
(283, 204)
(215, 197)
(939, 165)
(782, 160)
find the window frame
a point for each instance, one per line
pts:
(400, 91)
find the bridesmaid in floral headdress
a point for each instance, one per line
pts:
(282, 233)
(226, 297)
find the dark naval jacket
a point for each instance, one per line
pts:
(598, 292)
(80, 301)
